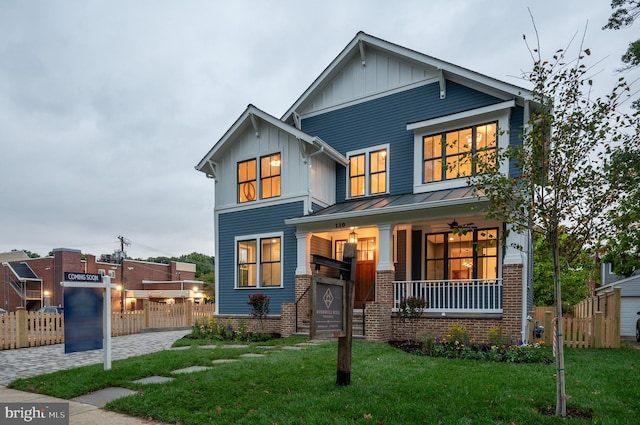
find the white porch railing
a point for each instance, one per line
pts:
(453, 296)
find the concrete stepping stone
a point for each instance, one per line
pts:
(219, 361)
(191, 369)
(234, 346)
(206, 346)
(267, 347)
(252, 355)
(306, 344)
(153, 380)
(101, 397)
(186, 347)
(291, 347)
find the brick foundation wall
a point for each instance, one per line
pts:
(287, 319)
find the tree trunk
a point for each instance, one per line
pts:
(561, 399)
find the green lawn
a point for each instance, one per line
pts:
(387, 387)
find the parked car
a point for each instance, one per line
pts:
(638, 329)
(50, 310)
(3, 311)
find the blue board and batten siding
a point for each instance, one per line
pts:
(384, 120)
(266, 219)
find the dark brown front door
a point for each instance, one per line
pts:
(365, 278)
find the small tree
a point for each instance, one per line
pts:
(561, 186)
(259, 307)
(411, 309)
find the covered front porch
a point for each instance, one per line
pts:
(438, 249)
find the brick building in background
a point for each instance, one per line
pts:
(35, 282)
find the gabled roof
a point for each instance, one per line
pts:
(362, 42)
(248, 117)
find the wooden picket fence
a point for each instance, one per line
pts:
(594, 322)
(30, 329)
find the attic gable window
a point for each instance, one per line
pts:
(448, 155)
(247, 181)
(368, 171)
(270, 176)
(269, 184)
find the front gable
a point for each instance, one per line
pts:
(370, 67)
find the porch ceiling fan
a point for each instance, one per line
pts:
(460, 229)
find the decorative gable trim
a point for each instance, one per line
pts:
(363, 44)
(254, 115)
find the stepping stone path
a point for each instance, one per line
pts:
(153, 380)
(101, 397)
(191, 369)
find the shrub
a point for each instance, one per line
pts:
(411, 309)
(259, 307)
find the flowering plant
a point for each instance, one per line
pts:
(259, 306)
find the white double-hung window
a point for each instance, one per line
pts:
(259, 261)
(368, 172)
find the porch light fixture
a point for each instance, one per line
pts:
(353, 236)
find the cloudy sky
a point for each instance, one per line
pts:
(107, 106)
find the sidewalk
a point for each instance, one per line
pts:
(27, 362)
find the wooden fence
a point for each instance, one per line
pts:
(30, 329)
(594, 322)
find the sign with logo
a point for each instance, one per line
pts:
(34, 413)
(327, 299)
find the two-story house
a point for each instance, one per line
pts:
(376, 152)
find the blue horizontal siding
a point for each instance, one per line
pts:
(515, 137)
(260, 220)
(384, 120)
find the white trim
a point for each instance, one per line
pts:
(472, 113)
(367, 153)
(451, 72)
(499, 113)
(257, 237)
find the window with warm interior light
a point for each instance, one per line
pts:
(259, 262)
(368, 172)
(269, 171)
(270, 176)
(247, 181)
(470, 254)
(449, 155)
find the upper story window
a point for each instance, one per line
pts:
(259, 261)
(368, 171)
(449, 155)
(269, 184)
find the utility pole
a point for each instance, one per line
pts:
(123, 241)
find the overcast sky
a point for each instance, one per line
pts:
(107, 106)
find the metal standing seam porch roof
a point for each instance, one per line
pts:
(380, 205)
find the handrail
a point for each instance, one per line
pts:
(297, 301)
(364, 306)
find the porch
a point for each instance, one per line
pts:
(477, 296)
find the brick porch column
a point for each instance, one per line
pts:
(302, 282)
(378, 313)
(512, 302)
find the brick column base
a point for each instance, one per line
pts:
(287, 319)
(377, 322)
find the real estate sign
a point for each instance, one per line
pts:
(83, 314)
(328, 309)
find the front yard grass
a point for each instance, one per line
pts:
(388, 386)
